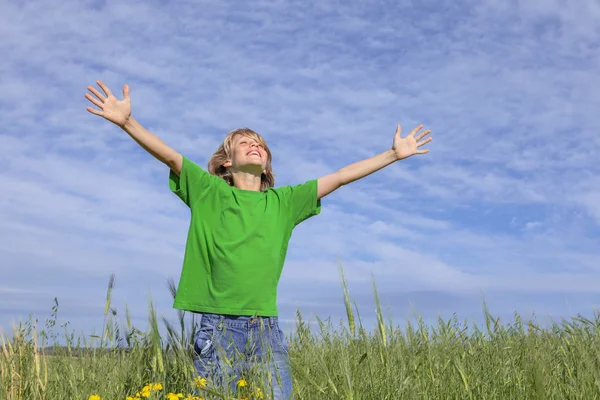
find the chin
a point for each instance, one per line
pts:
(254, 162)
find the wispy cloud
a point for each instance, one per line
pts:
(507, 200)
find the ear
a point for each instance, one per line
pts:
(227, 164)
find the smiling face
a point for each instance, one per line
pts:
(248, 153)
(243, 150)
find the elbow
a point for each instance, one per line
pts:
(341, 179)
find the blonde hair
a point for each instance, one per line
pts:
(224, 153)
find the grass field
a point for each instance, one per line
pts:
(451, 360)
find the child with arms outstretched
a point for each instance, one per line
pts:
(238, 238)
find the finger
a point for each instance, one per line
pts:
(126, 92)
(422, 151)
(104, 88)
(398, 130)
(424, 142)
(94, 111)
(417, 129)
(427, 132)
(97, 93)
(94, 101)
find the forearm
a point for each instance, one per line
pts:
(153, 144)
(352, 172)
(366, 167)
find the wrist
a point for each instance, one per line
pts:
(392, 155)
(128, 124)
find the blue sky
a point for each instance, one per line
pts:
(506, 204)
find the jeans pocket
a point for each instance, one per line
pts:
(204, 353)
(280, 337)
(204, 341)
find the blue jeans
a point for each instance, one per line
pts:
(228, 348)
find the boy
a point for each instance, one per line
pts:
(238, 237)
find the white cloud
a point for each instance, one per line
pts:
(533, 224)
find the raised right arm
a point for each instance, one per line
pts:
(154, 145)
(119, 113)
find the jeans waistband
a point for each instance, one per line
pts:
(238, 320)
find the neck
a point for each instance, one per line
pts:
(246, 181)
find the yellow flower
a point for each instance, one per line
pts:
(173, 396)
(134, 398)
(190, 397)
(241, 383)
(157, 386)
(259, 393)
(243, 398)
(146, 391)
(94, 397)
(200, 382)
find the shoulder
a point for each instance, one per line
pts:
(301, 190)
(289, 189)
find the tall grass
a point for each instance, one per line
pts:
(449, 360)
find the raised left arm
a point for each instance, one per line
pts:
(401, 148)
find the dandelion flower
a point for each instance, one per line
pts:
(173, 396)
(241, 383)
(146, 391)
(157, 386)
(94, 397)
(200, 382)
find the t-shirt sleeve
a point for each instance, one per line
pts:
(302, 201)
(192, 183)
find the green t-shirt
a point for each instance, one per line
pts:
(237, 241)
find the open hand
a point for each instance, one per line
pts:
(116, 111)
(406, 147)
